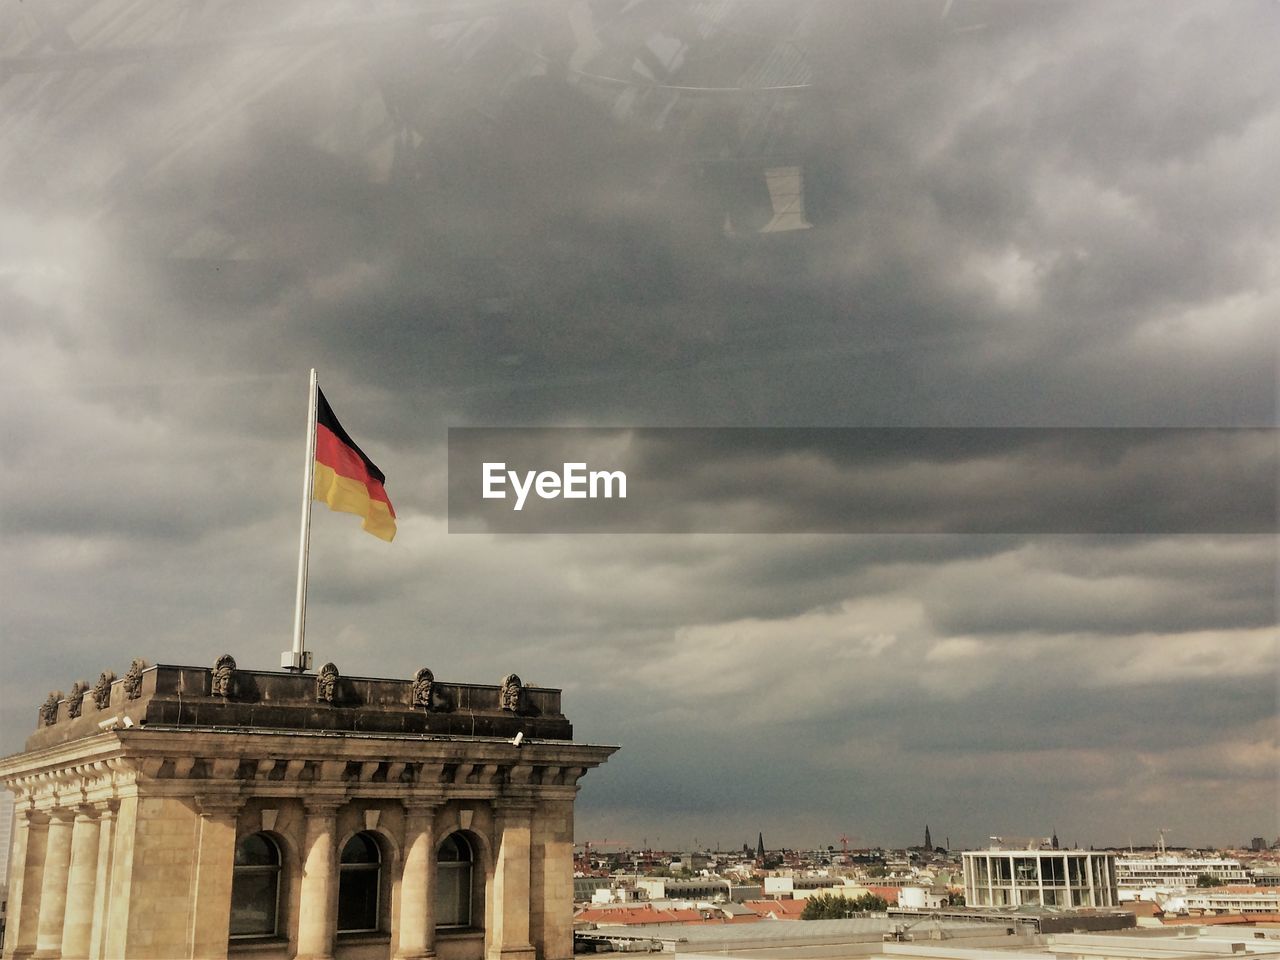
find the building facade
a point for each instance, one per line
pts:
(1174, 872)
(1049, 878)
(185, 812)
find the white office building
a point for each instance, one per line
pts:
(1176, 873)
(1050, 878)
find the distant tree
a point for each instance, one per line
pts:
(956, 900)
(827, 906)
(877, 871)
(870, 903)
(1208, 880)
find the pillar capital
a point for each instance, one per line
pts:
(421, 806)
(32, 817)
(513, 809)
(323, 806)
(85, 811)
(107, 809)
(219, 806)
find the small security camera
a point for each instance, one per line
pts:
(108, 724)
(128, 722)
(519, 739)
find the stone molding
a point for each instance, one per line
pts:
(519, 777)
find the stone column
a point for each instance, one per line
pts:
(317, 911)
(53, 887)
(417, 927)
(102, 881)
(77, 925)
(551, 882)
(510, 924)
(27, 869)
(215, 863)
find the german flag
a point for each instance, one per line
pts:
(346, 479)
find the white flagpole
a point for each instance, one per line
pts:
(297, 658)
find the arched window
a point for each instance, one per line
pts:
(255, 887)
(359, 884)
(455, 862)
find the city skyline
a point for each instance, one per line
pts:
(565, 214)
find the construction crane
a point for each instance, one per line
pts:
(845, 840)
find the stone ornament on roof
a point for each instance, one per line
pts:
(423, 681)
(327, 683)
(102, 689)
(75, 702)
(133, 679)
(224, 670)
(49, 709)
(512, 695)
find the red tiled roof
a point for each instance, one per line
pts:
(781, 909)
(888, 893)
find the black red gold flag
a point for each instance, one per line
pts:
(346, 479)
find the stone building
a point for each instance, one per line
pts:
(215, 812)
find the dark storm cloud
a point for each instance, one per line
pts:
(532, 243)
(494, 213)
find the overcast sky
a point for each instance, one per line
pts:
(498, 213)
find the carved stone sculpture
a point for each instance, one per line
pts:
(49, 709)
(224, 669)
(512, 696)
(102, 689)
(327, 683)
(423, 681)
(133, 679)
(75, 702)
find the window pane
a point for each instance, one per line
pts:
(453, 895)
(257, 851)
(358, 899)
(253, 903)
(452, 850)
(360, 849)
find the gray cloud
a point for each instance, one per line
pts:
(499, 214)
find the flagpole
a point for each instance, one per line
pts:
(298, 659)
